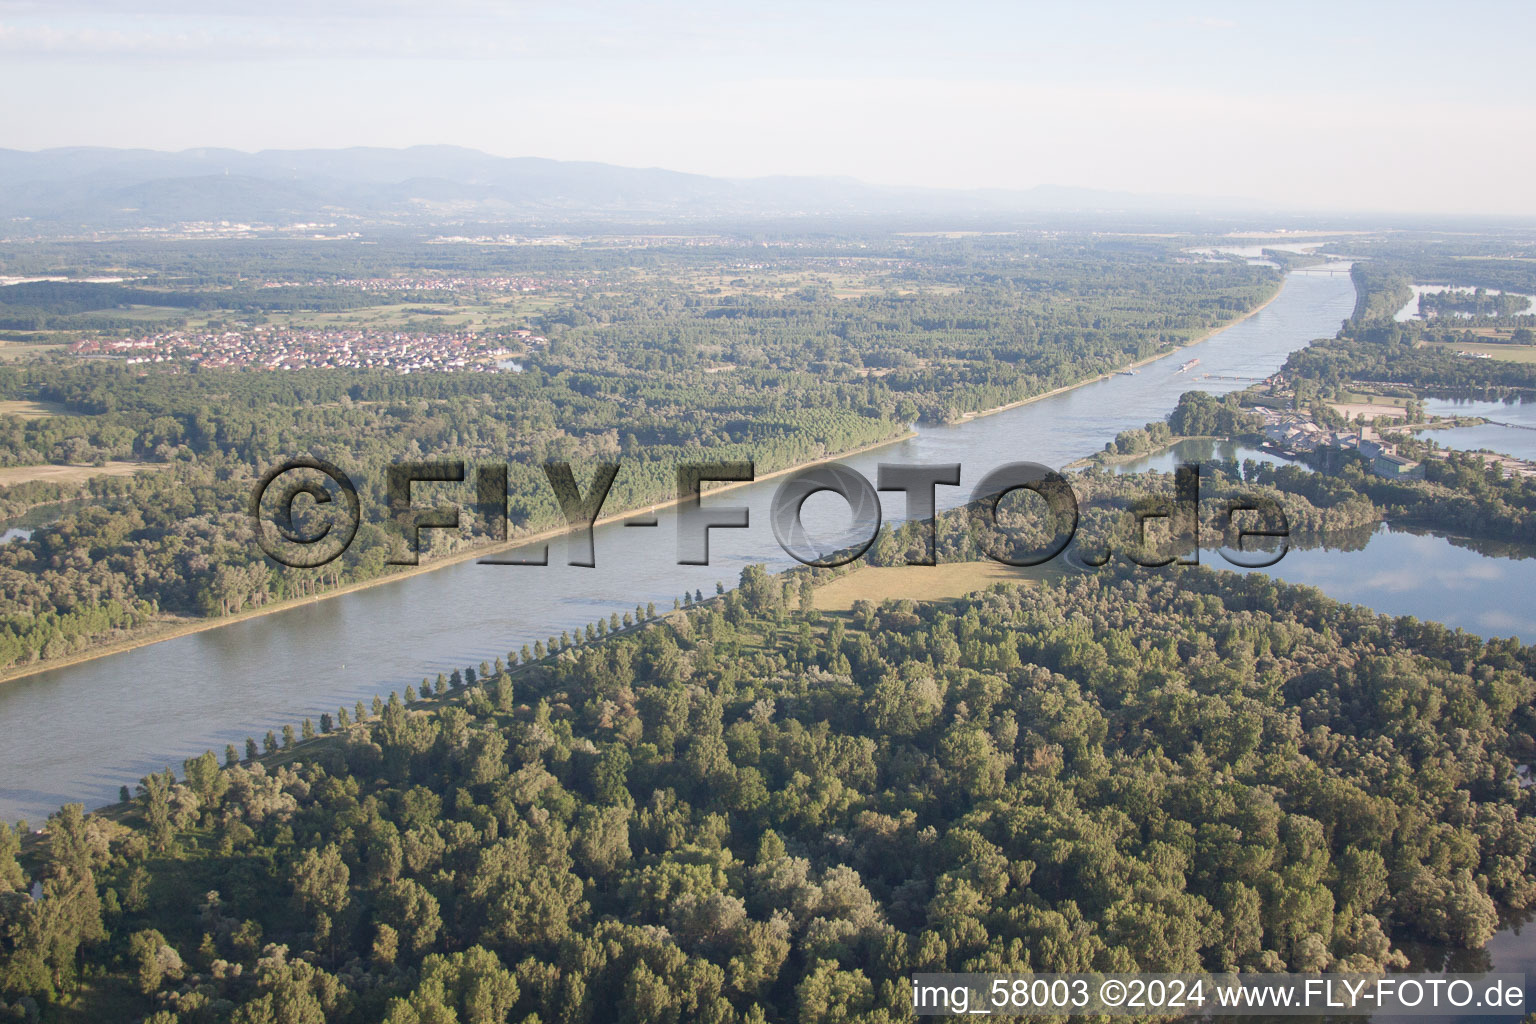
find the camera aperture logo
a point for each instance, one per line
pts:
(309, 534)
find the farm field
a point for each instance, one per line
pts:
(70, 474)
(914, 583)
(1505, 353)
(31, 410)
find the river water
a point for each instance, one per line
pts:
(1410, 310)
(78, 733)
(1510, 430)
(1202, 450)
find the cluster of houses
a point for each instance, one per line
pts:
(1292, 433)
(287, 349)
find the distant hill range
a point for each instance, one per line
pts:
(118, 189)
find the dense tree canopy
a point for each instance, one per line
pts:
(748, 812)
(650, 362)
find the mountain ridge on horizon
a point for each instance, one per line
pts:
(98, 187)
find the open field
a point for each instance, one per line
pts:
(1507, 353)
(438, 316)
(1370, 398)
(854, 278)
(11, 352)
(149, 316)
(914, 583)
(1484, 331)
(31, 410)
(1370, 410)
(70, 474)
(467, 315)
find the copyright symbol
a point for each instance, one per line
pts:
(1112, 992)
(300, 536)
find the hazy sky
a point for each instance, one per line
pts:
(1340, 105)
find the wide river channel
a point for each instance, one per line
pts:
(79, 732)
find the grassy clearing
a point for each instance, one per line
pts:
(149, 316)
(71, 474)
(32, 410)
(510, 311)
(916, 583)
(1370, 410)
(1505, 353)
(11, 352)
(1493, 332)
(1370, 399)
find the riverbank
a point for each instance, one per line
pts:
(173, 627)
(1138, 364)
(205, 691)
(1104, 458)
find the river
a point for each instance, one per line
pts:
(1510, 430)
(77, 733)
(1410, 310)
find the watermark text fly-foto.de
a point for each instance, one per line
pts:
(278, 498)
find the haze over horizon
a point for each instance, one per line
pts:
(1308, 106)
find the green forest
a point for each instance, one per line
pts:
(744, 808)
(653, 363)
(750, 810)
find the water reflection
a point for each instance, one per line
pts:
(1206, 451)
(81, 731)
(1512, 432)
(1400, 572)
(1410, 310)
